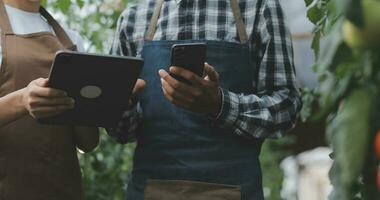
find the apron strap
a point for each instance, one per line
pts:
(5, 25)
(240, 27)
(153, 22)
(59, 31)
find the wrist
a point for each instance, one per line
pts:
(218, 104)
(229, 110)
(21, 102)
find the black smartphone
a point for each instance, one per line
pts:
(189, 56)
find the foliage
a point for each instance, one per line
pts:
(94, 19)
(272, 153)
(349, 78)
(105, 171)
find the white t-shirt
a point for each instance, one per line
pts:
(23, 22)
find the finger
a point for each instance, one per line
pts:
(183, 88)
(43, 112)
(188, 75)
(173, 100)
(212, 74)
(175, 94)
(42, 82)
(139, 86)
(163, 74)
(40, 101)
(47, 92)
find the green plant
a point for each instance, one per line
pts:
(95, 19)
(106, 170)
(272, 153)
(367, 35)
(349, 74)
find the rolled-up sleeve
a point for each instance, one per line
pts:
(127, 128)
(274, 108)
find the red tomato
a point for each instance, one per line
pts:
(377, 150)
(378, 178)
(377, 144)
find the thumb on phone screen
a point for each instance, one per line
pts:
(211, 73)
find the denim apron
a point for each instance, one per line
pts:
(183, 155)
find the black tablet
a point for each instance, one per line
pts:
(100, 84)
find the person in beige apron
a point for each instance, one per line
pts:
(37, 162)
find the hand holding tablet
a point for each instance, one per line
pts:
(101, 86)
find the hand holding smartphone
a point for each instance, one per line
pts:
(190, 57)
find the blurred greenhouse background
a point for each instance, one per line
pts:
(106, 170)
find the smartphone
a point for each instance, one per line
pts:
(189, 56)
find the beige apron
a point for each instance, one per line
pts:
(37, 162)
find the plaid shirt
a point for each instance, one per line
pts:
(273, 109)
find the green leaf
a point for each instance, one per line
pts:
(64, 5)
(315, 44)
(308, 101)
(351, 134)
(329, 46)
(308, 2)
(315, 14)
(80, 3)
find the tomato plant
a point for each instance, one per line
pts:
(377, 144)
(347, 48)
(378, 178)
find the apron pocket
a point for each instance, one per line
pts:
(189, 190)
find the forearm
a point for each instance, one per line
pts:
(269, 115)
(12, 107)
(87, 138)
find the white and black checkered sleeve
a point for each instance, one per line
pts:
(126, 131)
(122, 42)
(273, 109)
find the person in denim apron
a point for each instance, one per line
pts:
(181, 153)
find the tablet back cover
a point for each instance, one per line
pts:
(100, 85)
